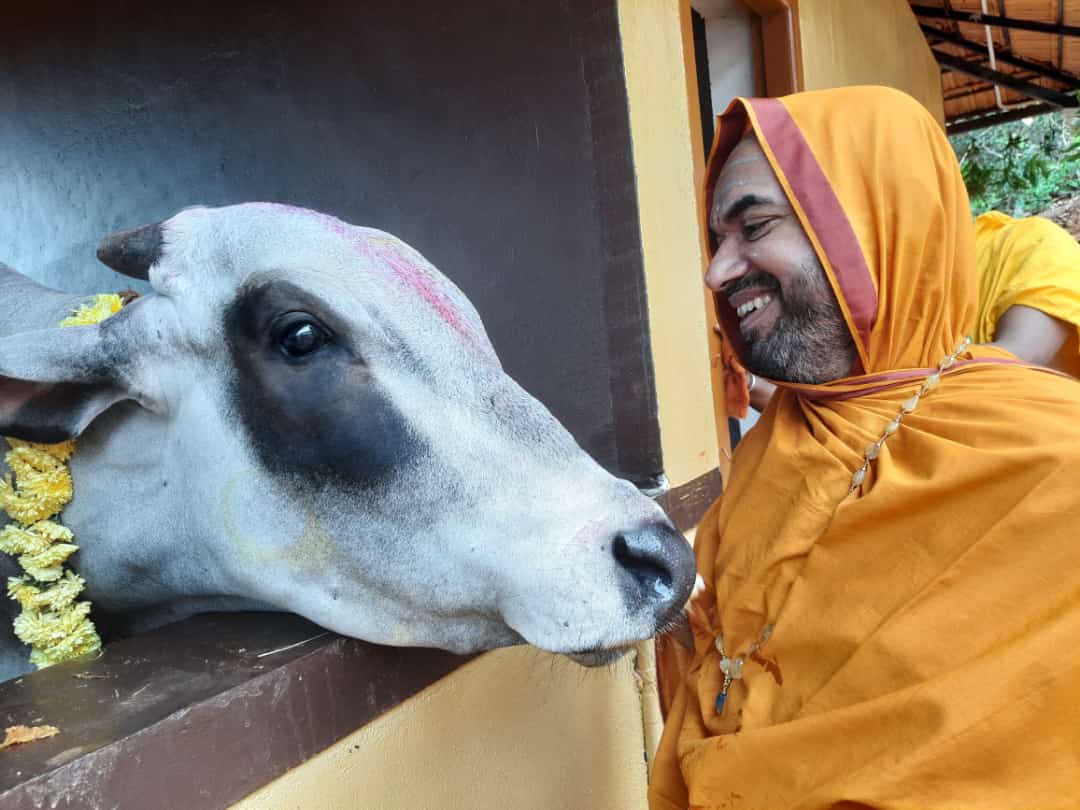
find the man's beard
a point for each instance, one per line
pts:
(810, 342)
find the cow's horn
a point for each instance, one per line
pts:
(132, 252)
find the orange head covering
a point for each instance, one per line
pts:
(893, 559)
(871, 237)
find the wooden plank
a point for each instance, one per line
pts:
(199, 714)
(686, 505)
(984, 121)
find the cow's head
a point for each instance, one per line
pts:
(345, 436)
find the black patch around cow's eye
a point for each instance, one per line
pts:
(310, 402)
(300, 337)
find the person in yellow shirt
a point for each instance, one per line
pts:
(891, 607)
(1029, 289)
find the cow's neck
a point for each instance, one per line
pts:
(143, 557)
(141, 550)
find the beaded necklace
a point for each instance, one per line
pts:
(873, 450)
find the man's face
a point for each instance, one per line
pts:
(767, 270)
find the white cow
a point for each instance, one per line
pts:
(306, 416)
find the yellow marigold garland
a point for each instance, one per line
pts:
(96, 311)
(43, 482)
(55, 625)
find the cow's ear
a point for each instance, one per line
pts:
(54, 382)
(51, 412)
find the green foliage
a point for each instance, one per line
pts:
(1021, 167)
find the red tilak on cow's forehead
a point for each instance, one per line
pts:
(388, 251)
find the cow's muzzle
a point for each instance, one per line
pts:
(656, 568)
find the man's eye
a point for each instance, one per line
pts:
(752, 230)
(302, 338)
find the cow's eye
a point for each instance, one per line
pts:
(301, 338)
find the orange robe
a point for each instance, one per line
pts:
(925, 644)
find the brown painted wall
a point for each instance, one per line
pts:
(493, 136)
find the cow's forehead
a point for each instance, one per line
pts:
(282, 238)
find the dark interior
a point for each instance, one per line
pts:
(492, 136)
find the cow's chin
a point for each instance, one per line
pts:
(583, 651)
(597, 658)
(591, 657)
(477, 633)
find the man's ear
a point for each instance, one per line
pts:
(54, 382)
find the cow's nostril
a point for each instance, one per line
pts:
(658, 569)
(651, 573)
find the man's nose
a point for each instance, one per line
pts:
(727, 264)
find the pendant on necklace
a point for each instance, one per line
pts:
(733, 667)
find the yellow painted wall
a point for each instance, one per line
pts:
(515, 729)
(668, 159)
(848, 42)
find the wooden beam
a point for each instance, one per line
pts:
(1072, 82)
(763, 8)
(977, 87)
(1061, 37)
(776, 32)
(983, 121)
(948, 11)
(1055, 97)
(978, 18)
(1005, 32)
(781, 51)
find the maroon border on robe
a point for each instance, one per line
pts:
(823, 212)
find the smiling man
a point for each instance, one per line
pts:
(890, 613)
(789, 318)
